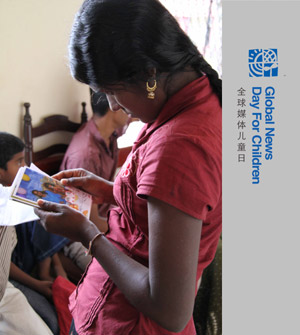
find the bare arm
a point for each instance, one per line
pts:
(58, 267)
(41, 286)
(165, 291)
(44, 269)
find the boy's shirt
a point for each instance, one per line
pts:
(8, 241)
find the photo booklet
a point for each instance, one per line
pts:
(31, 184)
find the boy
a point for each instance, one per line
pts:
(17, 316)
(29, 249)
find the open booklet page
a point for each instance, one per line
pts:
(30, 185)
(12, 212)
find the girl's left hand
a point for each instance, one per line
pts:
(63, 220)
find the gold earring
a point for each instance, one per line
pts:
(151, 90)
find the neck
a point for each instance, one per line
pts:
(105, 126)
(177, 81)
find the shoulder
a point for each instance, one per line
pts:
(83, 134)
(195, 129)
(84, 144)
(181, 163)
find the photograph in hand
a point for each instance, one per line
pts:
(29, 186)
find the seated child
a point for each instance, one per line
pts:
(17, 316)
(72, 254)
(36, 248)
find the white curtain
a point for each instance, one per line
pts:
(202, 21)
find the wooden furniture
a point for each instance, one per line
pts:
(50, 158)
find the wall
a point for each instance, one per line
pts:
(33, 62)
(34, 59)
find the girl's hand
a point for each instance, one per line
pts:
(101, 189)
(63, 220)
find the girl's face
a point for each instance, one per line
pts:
(134, 101)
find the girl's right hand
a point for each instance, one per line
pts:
(100, 189)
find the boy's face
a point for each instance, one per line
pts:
(13, 165)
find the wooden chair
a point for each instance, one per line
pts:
(50, 158)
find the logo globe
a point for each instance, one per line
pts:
(263, 63)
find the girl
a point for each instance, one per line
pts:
(165, 228)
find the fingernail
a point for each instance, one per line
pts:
(40, 202)
(64, 181)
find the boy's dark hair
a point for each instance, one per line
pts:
(9, 146)
(99, 103)
(120, 41)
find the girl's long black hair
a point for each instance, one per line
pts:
(115, 41)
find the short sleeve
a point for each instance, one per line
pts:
(184, 172)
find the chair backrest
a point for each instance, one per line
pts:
(50, 158)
